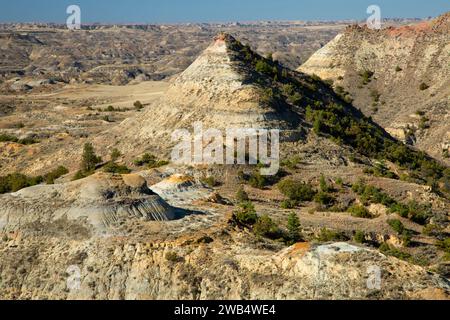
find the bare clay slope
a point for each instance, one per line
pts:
(408, 93)
(229, 86)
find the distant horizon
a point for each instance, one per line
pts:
(211, 22)
(141, 12)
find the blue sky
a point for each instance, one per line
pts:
(166, 11)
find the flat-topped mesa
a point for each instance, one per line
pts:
(437, 26)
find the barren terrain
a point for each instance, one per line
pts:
(93, 208)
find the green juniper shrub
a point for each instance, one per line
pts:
(401, 209)
(158, 164)
(267, 228)
(106, 118)
(291, 163)
(289, 204)
(418, 213)
(359, 237)
(391, 251)
(112, 167)
(28, 141)
(241, 195)
(297, 190)
(150, 161)
(115, 154)
(89, 159)
(11, 138)
(8, 138)
(138, 105)
(323, 184)
(263, 67)
(324, 198)
(381, 170)
(397, 226)
(50, 177)
(257, 180)
(210, 181)
(371, 194)
(423, 86)
(81, 175)
(246, 214)
(16, 181)
(293, 227)
(406, 238)
(89, 162)
(420, 113)
(360, 211)
(424, 123)
(327, 235)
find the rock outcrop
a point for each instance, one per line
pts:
(103, 200)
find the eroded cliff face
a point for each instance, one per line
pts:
(229, 265)
(409, 90)
(88, 240)
(103, 199)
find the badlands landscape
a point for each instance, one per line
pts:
(93, 207)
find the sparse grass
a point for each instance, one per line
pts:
(366, 76)
(241, 195)
(291, 163)
(150, 161)
(432, 230)
(11, 138)
(444, 245)
(210, 181)
(107, 119)
(424, 123)
(375, 95)
(172, 257)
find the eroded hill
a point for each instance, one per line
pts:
(399, 76)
